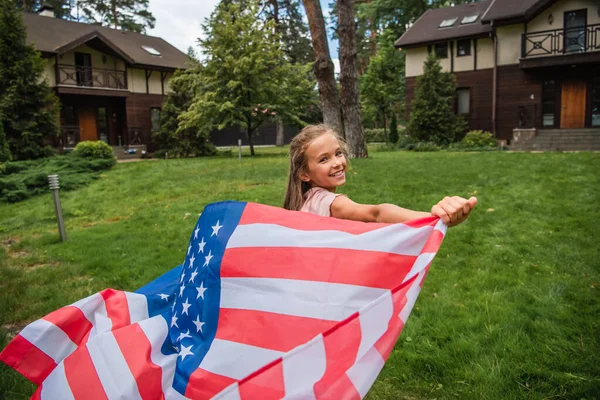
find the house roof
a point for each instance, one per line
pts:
(427, 28)
(57, 36)
(513, 10)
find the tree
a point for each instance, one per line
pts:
(432, 116)
(129, 15)
(382, 85)
(4, 150)
(28, 107)
(323, 66)
(394, 128)
(349, 92)
(244, 79)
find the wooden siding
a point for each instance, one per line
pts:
(138, 114)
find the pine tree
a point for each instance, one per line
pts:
(28, 106)
(128, 15)
(432, 116)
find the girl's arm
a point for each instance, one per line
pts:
(452, 210)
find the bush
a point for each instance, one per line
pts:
(394, 128)
(479, 139)
(374, 135)
(94, 149)
(423, 147)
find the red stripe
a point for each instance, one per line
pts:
(267, 383)
(386, 343)
(204, 385)
(117, 309)
(354, 267)
(433, 242)
(82, 376)
(72, 321)
(341, 348)
(136, 349)
(27, 359)
(269, 330)
(38, 394)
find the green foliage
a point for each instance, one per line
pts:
(20, 180)
(432, 116)
(4, 150)
(128, 15)
(94, 149)
(373, 135)
(28, 107)
(479, 138)
(245, 79)
(394, 128)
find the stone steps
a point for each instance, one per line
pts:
(562, 140)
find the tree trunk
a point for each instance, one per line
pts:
(323, 66)
(385, 135)
(280, 134)
(249, 134)
(355, 137)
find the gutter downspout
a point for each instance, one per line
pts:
(495, 79)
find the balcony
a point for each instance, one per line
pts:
(88, 77)
(561, 46)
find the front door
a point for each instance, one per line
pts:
(572, 113)
(575, 31)
(87, 124)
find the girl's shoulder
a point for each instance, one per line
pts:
(318, 201)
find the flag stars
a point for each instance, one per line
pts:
(201, 291)
(208, 258)
(189, 249)
(164, 297)
(201, 246)
(192, 261)
(174, 321)
(193, 275)
(185, 351)
(185, 306)
(196, 232)
(216, 228)
(198, 323)
(181, 289)
(183, 335)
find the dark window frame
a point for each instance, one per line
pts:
(437, 53)
(550, 98)
(470, 90)
(152, 120)
(458, 43)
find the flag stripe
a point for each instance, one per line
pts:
(396, 239)
(267, 385)
(365, 268)
(138, 306)
(26, 358)
(303, 367)
(116, 302)
(56, 385)
(204, 384)
(320, 300)
(269, 330)
(136, 349)
(374, 321)
(72, 321)
(434, 241)
(50, 339)
(82, 376)
(365, 370)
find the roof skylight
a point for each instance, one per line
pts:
(448, 22)
(469, 19)
(151, 50)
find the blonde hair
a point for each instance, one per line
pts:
(296, 188)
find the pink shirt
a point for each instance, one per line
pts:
(318, 201)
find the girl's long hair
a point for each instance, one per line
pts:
(296, 188)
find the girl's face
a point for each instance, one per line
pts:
(325, 163)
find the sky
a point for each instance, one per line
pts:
(178, 22)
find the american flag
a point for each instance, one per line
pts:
(268, 304)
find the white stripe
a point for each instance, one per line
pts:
(156, 330)
(56, 386)
(398, 238)
(322, 300)
(89, 305)
(411, 297)
(94, 309)
(442, 227)
(374, 321)
(50, 339)
(419, 265)
(138, 306)
(231, 392)
(236, 360)
(302, 368)
(364, 372)
(114, 373)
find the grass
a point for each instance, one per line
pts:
(510, 308)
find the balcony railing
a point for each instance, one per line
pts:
(577, 40)
(73, 75)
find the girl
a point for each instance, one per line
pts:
(318, 167)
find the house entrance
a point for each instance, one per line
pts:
(572, 114)
(87, 124)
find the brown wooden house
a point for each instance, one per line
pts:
(524, 68)
(111, 83)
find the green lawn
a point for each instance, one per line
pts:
(509, 310)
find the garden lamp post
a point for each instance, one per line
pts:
(53, 181)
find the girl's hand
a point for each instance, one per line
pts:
(453, 210)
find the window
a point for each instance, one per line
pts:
(151, 50)
(69, 117)
(441, 50)
(102, 125)
(448, 22)
(596, 102)
(469, 19)
(463, 97)
(463, 47)
(155, 118)
(548, 102)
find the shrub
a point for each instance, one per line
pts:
(95, 149)
(374, 135)
(394, 128)
(423, 147)
(479, 138)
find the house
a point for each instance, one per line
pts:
(525, 69)
(111, 83)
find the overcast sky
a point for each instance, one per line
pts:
(178, 22)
